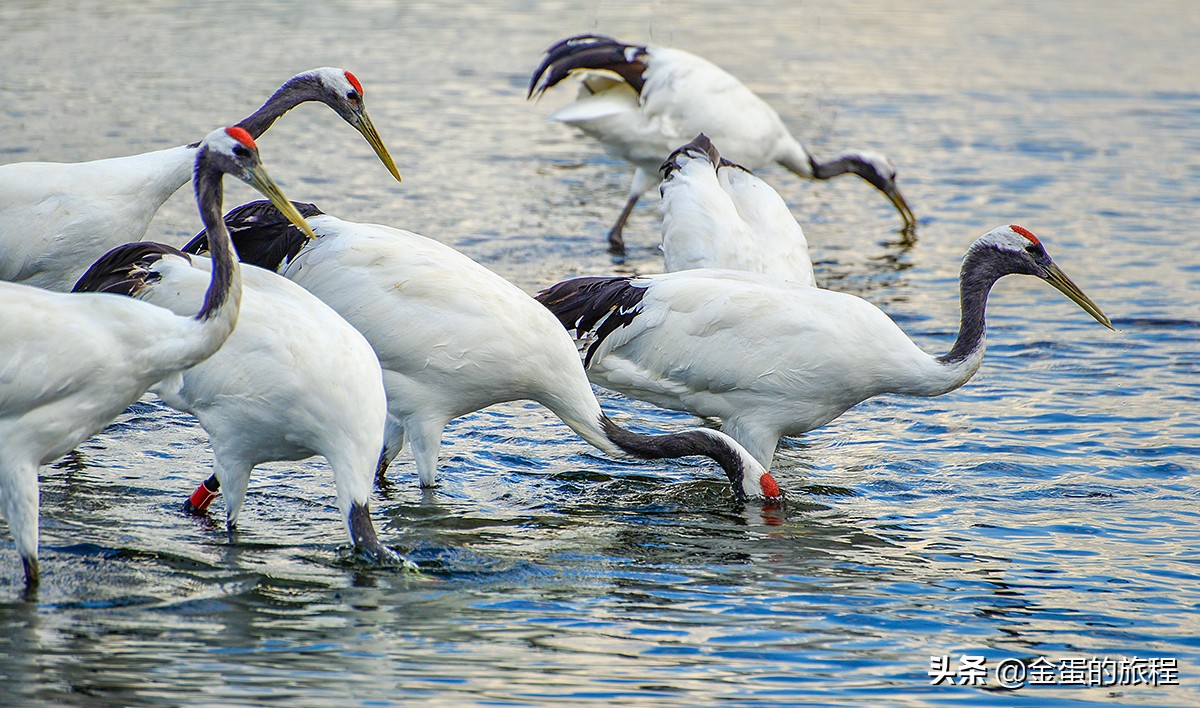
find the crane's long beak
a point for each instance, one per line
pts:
(364, 125)
(258, 178)
(897, 199)
(1063, 284)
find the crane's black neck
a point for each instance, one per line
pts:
(797, 159)
(299, 89)
(849, 163)
(839, 165)
(209, 195)
(362, 532)
(980, 270)
(689, 442)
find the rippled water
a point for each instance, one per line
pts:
(1047, 509)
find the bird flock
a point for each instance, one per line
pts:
(346, 340)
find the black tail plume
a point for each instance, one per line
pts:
(589, 51)
(261, 234)
(593, 307)
(125, 269)
(700, 145)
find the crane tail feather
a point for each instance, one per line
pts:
(700, 146)
(261, 234)
(126, 269)
(589, 52)
(593, 308)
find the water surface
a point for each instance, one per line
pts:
(1046, 509)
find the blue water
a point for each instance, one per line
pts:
(1048, 509)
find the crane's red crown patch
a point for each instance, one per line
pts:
(354, 82)
(240, 135)
(1026, 233)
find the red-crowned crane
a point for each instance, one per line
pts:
(770, 359)
(453, 337)
(716, 214)
(293, 380)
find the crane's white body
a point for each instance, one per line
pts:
(725, 217)
(293, 380)
(451, 335)
(766, 358)
(683, 95)
(69, 364)
(57, 218)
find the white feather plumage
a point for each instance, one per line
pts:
(57, 218)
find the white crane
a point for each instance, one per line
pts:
(770, 359)
(70, 363)
(453, 337)
(641, 102)
(293, 380)
(716, 214)
(57, 218)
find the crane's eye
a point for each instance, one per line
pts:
(241, 151)
(1033, 249)
(353, 97)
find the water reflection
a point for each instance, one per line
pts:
(1046, 508)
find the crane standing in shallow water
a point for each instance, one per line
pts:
(57, 218)
(293, 380)
(641, 102)
(70, 363)
(453, 337)
(770, 359)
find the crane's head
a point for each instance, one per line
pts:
(880, 171)
(1015, 250)
(233, 152)
(343, 92)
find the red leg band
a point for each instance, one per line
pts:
(200, 499)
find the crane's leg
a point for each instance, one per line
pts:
(616, 241)
(354, 481)
(234, 477)
(642, 180)
(425, 439)
(758, 441)
(362, 535)
(33, 576)
(393, 443)
(19, 497)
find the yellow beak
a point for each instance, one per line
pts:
(260, 180)
(1063, 284)
(364, 125)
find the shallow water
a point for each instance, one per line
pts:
(1047, 509)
